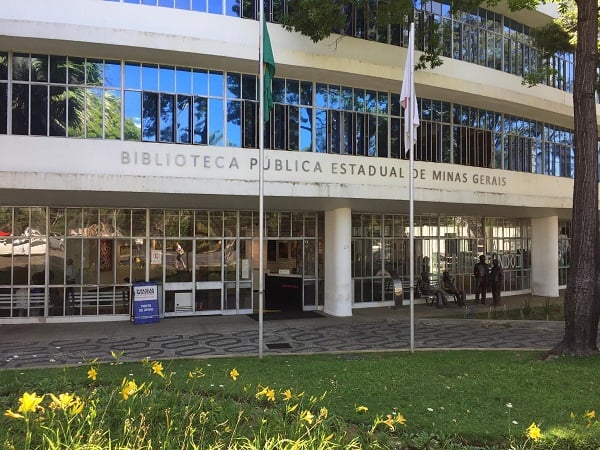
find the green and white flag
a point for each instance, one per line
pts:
(269, 73)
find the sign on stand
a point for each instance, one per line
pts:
(145, 303)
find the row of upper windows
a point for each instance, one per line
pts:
(479, 36)
(81, 97)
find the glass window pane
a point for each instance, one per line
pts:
(3, 106)
(183, 79)
(216, 84)
(200, 129)
(39, 68)
(215, 122)
(215, 6)
(234, 130)
(305, 129)
(183, 119)
(76, 70)
(133, 75)
(20, 68)
(199, 5)
(149, 116)
(133, 116)
(3, 66)
(182, 4)
(167, 79)
(94, 75)
(112, 74)
(58, 111)
(149, 77)
(167, 116)
(94, 113)
(200, 81)
(233, 8)
(112, 114)
(20, 109)
(39, 110)
(233, 85)
(249, 87)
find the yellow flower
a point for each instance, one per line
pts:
(590, 414)
(157, 368)
(323, 413)
(63, 401)
(389, 421)
(533, 432)
(400, 419)
(361, 409)
(330, 437)
(29, 402)
(129, 388)
(290, 409)
(307, 416)
(270, 395)
(572, 415)
(92, 373)
(196, 373)
(287, 395)
(234, 374)
(14, 415)
(76, 406)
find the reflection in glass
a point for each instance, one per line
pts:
(208, 260)
(215, 122)
(234, 129)
(133, 118)
(183, 119)
(167, 113)
(200, 129)
(39, 110)
(149, 114)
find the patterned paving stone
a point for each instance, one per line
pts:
(36, 346)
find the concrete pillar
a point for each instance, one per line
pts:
(338, 264)
(544, 256)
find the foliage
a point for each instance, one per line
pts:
(427, 400)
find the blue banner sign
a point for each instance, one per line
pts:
(145, 303)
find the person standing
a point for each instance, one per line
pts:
(481, 271)
(180, 252)
(496, 278)
(70, 278)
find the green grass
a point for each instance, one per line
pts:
(456, 398)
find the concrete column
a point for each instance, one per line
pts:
(544, 256)
(338, 264)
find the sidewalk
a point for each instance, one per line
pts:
(372, 329)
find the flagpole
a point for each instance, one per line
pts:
(409, 110)
(261, 145)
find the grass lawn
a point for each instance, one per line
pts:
(449, 399)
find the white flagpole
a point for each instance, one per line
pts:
(261, 144)
(409, 110)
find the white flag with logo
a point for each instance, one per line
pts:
(408, 98)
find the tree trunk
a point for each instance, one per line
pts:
(582, 306)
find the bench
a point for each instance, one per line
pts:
(20, 302)
(100, 300)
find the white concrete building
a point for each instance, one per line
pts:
(126, 128)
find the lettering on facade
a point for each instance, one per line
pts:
(211, 162)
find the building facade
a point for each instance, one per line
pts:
(129, 135)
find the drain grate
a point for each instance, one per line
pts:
(279, 345)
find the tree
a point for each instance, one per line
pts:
(582, 305)
(318, 20)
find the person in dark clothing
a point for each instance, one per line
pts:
(496, 279)
(449, 287)
(427, 289)
(481, 271)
